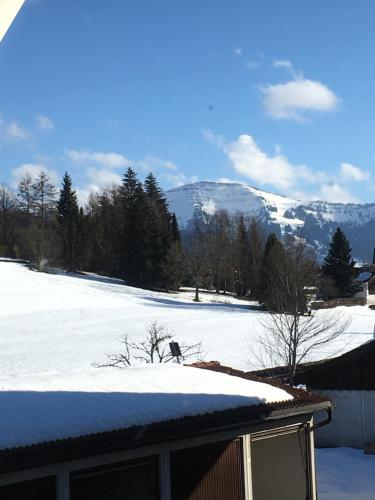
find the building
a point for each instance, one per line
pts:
(349, 381)
(157, 432)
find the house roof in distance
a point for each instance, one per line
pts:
(353, 370)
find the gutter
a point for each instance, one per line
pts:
(327, 421)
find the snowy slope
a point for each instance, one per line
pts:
(54, 324)
(205, 198)
(314, 220)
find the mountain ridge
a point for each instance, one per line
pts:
(314, 220)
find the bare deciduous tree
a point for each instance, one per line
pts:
(293, 332)
(290, 339)
(154, 349)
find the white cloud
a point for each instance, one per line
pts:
(100, 168)
(14, 131)
(238, 51)
(335, 193)
(353, 173)
(44, 122)
(109, 160)
(288, 66)
(100, 178)
(250, 161)
(294, 98)
(154, 164)
(251, 64)
(226, 180)
(33, 169)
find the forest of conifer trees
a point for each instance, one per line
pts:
(128, 231)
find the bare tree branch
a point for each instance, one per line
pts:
(153, 349)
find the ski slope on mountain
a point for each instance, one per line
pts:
(314, 220)
(206, 198)
(64, 323)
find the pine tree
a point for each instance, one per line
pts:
(339, 265)
(159, 231)
(175, 231)
(273, 256)
(241, 258)
(133, 231)
(68, 221)
(255, 257)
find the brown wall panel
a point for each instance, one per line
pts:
(208, 472)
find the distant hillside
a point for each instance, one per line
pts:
(315, 221)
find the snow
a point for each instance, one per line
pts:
(97, 400)
(208, 197)
(53, 327)
(345, 474)
(58, 323)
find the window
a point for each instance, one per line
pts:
(279, 466)
(213, 471)
(135, 480)
(37, 489)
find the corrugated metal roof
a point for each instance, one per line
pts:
(141, 435)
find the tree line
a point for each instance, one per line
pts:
(125, 231)
(128, 231)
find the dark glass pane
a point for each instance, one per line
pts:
(279, 467)
(37, 489)
(125, 481)
(209, 472)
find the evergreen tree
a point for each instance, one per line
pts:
(133, 232)
(159, 231)
(175, 231)
(339, 266)
(255, 257)
(273, 257)
(68, 217)
(241, 258)
(174, 268)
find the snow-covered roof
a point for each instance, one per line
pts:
(40, 408)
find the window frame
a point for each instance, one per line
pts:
(63, 470)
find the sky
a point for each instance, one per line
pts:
(278, 95)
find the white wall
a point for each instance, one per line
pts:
(353, 422)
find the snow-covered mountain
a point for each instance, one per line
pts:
(315, 221)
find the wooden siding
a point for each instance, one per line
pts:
(208, 472)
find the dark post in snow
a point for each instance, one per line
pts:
(175, 350)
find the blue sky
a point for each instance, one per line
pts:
(279, 95)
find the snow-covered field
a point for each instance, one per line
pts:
(54, 326)
(345, 474)
(53, 323)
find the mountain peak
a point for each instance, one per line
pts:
(314, 220)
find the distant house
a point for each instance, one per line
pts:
(349, 381)
(362, 283)
(204, 432)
